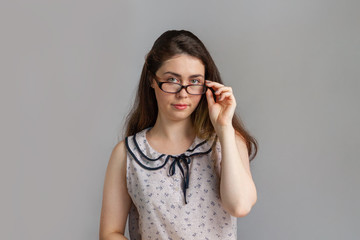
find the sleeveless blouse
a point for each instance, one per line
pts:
(176, 197)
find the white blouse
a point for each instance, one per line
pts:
(176, 197)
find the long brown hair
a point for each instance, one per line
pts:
(145, 110)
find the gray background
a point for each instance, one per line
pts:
(69, 70)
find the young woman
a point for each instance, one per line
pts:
(182, 171)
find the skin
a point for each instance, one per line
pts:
(173, 133)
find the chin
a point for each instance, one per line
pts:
(180, 116)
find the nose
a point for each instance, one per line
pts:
(182, 93)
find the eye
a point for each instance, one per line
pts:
(172, 80)
(195, 81)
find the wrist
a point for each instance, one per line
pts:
(224, 131)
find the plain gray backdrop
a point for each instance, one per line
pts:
(69, 72)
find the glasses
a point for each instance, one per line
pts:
(192, 89)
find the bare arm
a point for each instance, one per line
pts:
(116, 200)
(237, 188)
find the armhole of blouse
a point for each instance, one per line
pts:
(127, 175)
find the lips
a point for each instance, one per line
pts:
(180, 106)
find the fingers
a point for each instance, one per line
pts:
(213, 84)
(218, 87)
(210, 97)
(221, 91)
(225, 95)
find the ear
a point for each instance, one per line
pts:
(153, 82)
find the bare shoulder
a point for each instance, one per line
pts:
(119, 151)
(117, 164)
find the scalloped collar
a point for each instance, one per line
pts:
(199, 146)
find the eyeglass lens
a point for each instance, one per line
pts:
(174, 88)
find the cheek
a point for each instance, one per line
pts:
(196, 100)
(161, 97)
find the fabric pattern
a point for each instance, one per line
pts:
(175, 197)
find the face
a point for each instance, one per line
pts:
(185, 70)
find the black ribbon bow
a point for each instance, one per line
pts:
(177, 161)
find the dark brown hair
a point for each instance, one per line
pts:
(145, 109)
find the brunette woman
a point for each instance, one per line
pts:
(182, 171)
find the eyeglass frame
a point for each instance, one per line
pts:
(181, 87)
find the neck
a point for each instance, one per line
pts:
(173, 131)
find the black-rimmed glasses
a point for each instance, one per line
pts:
(192, 89)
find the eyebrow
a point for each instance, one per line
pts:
(179, 76)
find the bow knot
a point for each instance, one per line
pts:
(177, 161)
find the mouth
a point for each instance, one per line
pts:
(180, 106)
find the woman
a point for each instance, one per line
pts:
(182, 171)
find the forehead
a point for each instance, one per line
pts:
(183, 64)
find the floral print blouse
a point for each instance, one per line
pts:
(176, 196)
